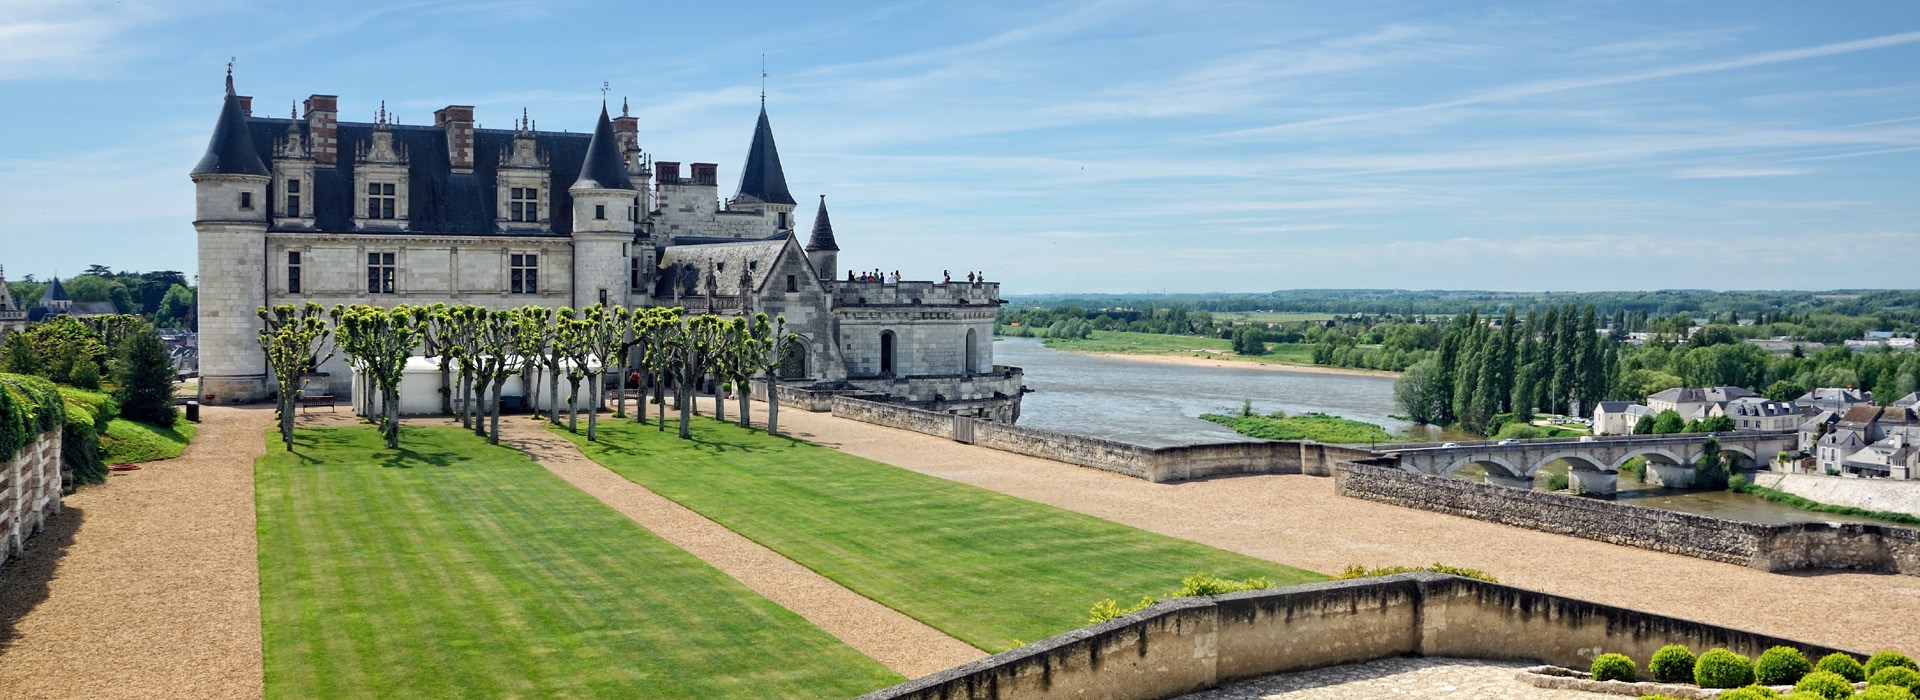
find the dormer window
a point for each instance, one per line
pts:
(246, 200)
(293, 198)
(380, 200)
(523, 204)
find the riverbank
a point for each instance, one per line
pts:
(1218, 360)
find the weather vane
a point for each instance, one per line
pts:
(763, 80)
(604, 87)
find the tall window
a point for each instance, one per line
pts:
(783, 221)
(380, 273)
(793, 283)
(246, 200)
(523, 273)
(523, 204)
(886, 352)
(293, 198)
(600, 211)
(633, 274)
(293, 271)
(380, 199)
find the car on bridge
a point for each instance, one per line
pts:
(1509, 441)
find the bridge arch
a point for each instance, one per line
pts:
(1576, 458)
(1490, 463)
(1742, 450)
(1660, 454)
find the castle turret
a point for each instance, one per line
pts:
(821, 250)
(605, 209)
(230, 216)
(762, 182)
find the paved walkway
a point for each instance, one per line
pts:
(147, 587)
(1431, 678)
(1298, 520)
(902, 643)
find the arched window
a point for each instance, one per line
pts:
(886, 352)
(972, 359)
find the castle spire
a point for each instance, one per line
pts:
(762, 180)
(822, 238)
(231, 150)
(603, 168)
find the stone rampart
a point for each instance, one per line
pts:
(1156, 464)
(1191, 644)
(1793, 547)
(1899, 496)
(29, 492)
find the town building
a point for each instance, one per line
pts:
(1694, 403)
(1617, 417)
(13, 318)
(310, 208)
(1836, 399)
(1759, 413)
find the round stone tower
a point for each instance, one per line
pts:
(230, 216)
(605, 209)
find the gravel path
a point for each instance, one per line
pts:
(146, 587)
(1298, 520)
(1404, 677)
(908, 646)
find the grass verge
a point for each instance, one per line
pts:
(1306, 426)
(129, 441)
(1130, 343)
(989, 569)
(451, 568)
(1807, 504)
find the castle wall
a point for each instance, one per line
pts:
(29, 492)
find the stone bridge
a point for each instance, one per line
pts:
(1595, 462)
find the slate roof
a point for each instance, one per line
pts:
(1908, 401)
(723, 261)
(1690, 394)
(1614, 406)
(822, 238)
(230, 152)
(603, 168)
(55, 292)
(761, 179)
(440, 200)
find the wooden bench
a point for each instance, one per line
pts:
(315, 391)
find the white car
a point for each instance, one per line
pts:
(1587, 438)
(1509, 441)
(1450, 444)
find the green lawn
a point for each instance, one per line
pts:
(129, 441)
(989, 569)
(1129, 343)
(451, 568)
(1306, 426)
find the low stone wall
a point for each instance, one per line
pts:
(1156, 464)
(29, 492)
(810, 400)
(1872, 494)
(1191, 644)
(1800, 546)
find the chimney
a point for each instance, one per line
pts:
(246, 104)
(667, 172)
(458, 122)
(626, 130)
(706, 174)
(323, 128)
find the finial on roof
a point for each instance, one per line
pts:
(383, 111)
(293, 110)
(623, 106)
(604, 87)
(763, 81)
(230, 61)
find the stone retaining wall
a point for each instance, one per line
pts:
(1191, 644)
(1793, 547)
(1872, 494)
(29, 492)
(1156, 464)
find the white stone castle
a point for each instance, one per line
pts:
(311, 208)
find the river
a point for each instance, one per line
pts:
(1158, 404)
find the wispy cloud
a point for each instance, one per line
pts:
(1712, 172)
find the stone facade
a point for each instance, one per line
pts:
(29, 492)
(313, 209)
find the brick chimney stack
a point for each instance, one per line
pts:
(667, 172)
(323, 128)
(246, 104)
(458, 122)
(706, 174)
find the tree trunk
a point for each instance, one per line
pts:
(660, 396)
(499, 385)
(686, 424)
(446, 383)
(391, 395)
(773, 405)
(719, 400)
(573, 405)
(745, 394)
(553, 383)
(593, 412)
(620, 394)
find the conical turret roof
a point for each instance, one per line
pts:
(231, 151)
(54, 292)
(603, 168)
(822, 238)
(762, 179)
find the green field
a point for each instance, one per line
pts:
(1129, 343)
(1307, 426)
(451, 568)
(132, 441)
(989, 569)
(1271, 316)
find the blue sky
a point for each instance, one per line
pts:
(1097, 146)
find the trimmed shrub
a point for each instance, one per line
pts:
(1720, 668)
(1780, 666)
(1752, 692)
(1896, 675)
(1844, 665)
(1885, 692)
(1361, 571)
(1614, 667)
(1672, 664)
(1888, 659)
(1827, 685)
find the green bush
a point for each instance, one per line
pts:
(1844, 665)
(1885, 692)
(1780, 666)
(1361, 571)
(1751, 692)
(1672, 664)
(1614, 667)
(1720, 668)
(1896, 675)
(1888, 659)
(1824, 684)
(1108, 609)
(146, 377)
